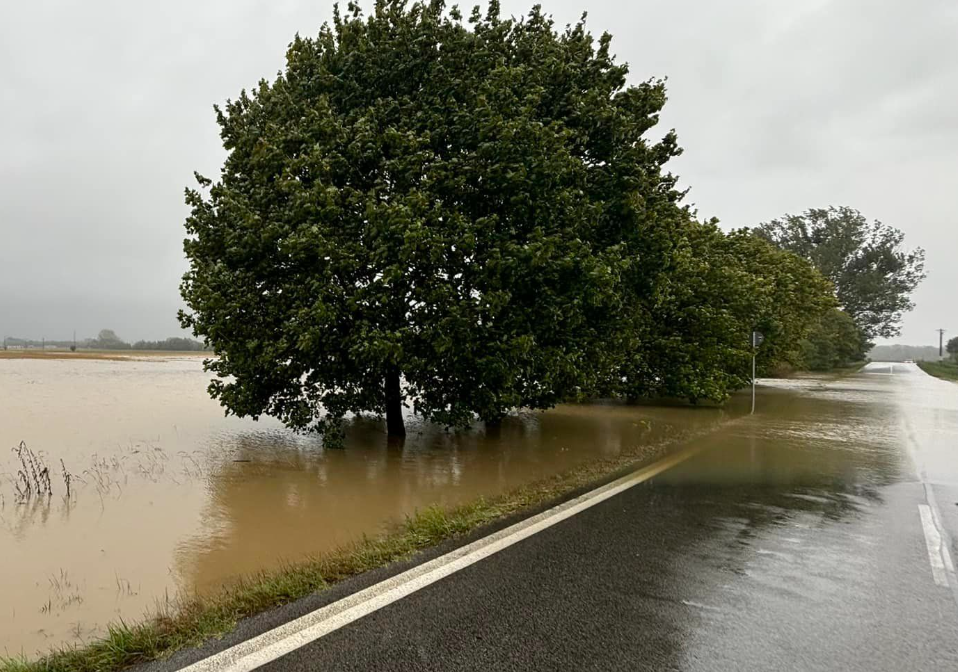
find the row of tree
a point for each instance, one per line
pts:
(899, 353)
(467, 216)
(108, 340)
(872, 272)
(172, 344)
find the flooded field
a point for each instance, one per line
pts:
(168, 495)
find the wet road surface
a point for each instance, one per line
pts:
(818, 539)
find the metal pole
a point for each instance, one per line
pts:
(757, 338)
(941, 342)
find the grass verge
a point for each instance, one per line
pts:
(943, 369)
(189, 622)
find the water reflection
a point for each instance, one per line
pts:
(804, 439)
(749, 520)
(175, 496)
(172, 495)
(276, 502)
(782, 519)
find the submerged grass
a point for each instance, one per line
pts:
(944, 369)
(189, 622)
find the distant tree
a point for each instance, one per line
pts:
(108, 340)
(899, 353)
(466, 217)
(873, 275)
(172, 344)
(835, 341)
(952, 347)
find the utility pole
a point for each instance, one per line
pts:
(757, 338)
(941, 342)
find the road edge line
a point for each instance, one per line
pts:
(933, 545)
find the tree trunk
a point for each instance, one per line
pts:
(394, 420)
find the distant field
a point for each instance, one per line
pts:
(945, 369)
(111, 355)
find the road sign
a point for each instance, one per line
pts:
(757, 338)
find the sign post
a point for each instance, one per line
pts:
(757, 338)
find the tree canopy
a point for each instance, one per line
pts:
(873, 274)
(468, 216)
(108, 340)
(833, 342)
(172, 344)
(464, 215)
(720, 287)
(952, 347)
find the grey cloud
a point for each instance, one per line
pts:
(105, 111)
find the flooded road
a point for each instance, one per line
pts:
(813, 546)
(818, 534)
(167, 495)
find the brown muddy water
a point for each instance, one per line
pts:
(170, 496)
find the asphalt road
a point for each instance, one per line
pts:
(804, 538)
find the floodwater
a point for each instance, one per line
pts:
(818, 534)
(169, 496)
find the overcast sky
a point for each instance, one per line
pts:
(106, 110)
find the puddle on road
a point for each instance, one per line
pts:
(809, 433)
(783, 520)
(169, 495)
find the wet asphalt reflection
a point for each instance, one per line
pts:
(793, 541)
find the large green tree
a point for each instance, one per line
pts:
(696, 346)
(952, 348)
(874, 275)
(719, 288)
(464, 215)
(793, 296)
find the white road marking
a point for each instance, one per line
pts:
(699, 605)
(933, 543)
(936, 534)
(267, 647)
